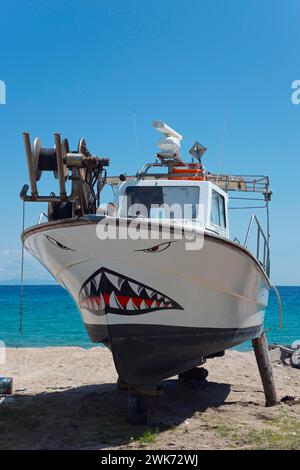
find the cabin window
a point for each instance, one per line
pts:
(218, 216)
(163, 202)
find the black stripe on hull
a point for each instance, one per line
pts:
(147, 354)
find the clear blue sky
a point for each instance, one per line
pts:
(81, 67)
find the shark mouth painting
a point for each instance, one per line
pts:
(109, 292)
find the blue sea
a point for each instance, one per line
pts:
(50, 318)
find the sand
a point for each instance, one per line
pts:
(66, 398)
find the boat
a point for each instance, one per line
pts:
(154, 274)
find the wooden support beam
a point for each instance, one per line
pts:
(141, 402)
(140, 409)
(261, 350)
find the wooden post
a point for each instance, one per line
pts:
(260, 346)
(141, 401)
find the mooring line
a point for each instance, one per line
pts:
(280, 306)
(22, 273)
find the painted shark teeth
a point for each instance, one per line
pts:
(98, 280)
(101, 303)
(113, 301)
(115, 280)
(135, 287)
(150, 293)
(143, 305)
(130, 305)
(109, 292)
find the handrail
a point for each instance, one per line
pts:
(42, 214)
(229, 183)
(265, 260)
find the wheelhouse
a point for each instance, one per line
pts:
(199, 203)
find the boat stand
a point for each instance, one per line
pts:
(261, 350)
(141, 402)
(195, 378)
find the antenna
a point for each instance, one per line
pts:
(169, 145)
(222, 142)
(136, 137)
(162, 127)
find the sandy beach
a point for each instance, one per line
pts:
(66, 398)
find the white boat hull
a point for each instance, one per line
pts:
(160, 311)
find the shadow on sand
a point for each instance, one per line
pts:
(94, 416)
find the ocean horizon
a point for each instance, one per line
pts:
(51, 318)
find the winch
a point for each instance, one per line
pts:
(85, 171)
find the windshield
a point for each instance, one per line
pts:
(162, 202)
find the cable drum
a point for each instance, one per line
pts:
(45, 159)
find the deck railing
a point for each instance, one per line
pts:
(246, 183)
(41, 216)
(262, 245)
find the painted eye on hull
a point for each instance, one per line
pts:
(157, 248)
(58, 244)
